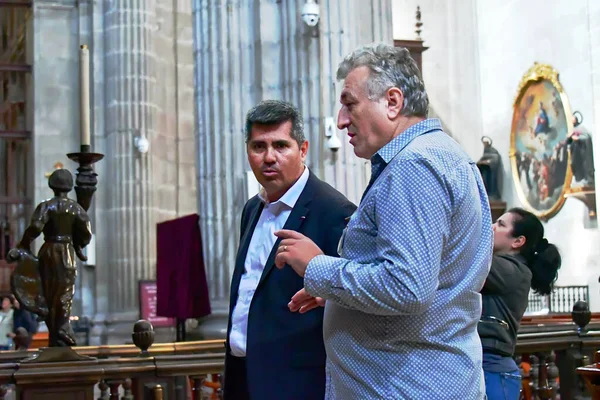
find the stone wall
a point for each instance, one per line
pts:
(142, 85)
(246, 52)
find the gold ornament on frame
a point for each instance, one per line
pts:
(541, 124)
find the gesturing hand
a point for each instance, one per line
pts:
(303, 302)
(295, 250)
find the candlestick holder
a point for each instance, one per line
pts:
(86, 180)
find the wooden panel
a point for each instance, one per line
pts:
(15, 134)
(416, 49)
(40, 339)
(15, 68)
(16, 3)
(61, 391)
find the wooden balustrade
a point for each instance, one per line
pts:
(591, 376)
(164, 371)
(127, 350)
(136, 377)
(551, 351)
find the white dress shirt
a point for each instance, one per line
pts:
(273, 217)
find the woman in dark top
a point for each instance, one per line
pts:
(523, 259)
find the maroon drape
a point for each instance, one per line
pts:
(181, 286)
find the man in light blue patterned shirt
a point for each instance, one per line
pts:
(402, 304)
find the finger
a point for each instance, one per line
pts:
(280, 260)
(301, 296)
(313, 303)
(296, 305)
(293, 306)
(286, 233)
(310, 306)
(288, 242)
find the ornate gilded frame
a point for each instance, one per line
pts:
(536, 74)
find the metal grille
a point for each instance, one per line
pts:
(561, 300)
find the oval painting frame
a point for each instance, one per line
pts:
(541, 124)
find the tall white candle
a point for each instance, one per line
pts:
(84, 87)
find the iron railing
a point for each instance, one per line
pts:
(561, 300)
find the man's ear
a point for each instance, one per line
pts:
(304, 150)
(395, 102)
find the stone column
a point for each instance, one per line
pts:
(141, 85)
(250, 51)
(227, 83)
(130, 112)
(356, 23)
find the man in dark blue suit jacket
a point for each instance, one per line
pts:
(273, 353)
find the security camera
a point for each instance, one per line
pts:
(141, 144)
(310, 13)
(334, 143)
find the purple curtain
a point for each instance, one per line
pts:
(181, 286)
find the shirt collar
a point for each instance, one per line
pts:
(290, 197)
(389, 151)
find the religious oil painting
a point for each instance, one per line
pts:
(541, 124)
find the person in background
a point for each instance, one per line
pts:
(523, 259)
(6, 323)
(25, 320)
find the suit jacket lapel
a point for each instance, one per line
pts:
(242, 252)
(294, 222)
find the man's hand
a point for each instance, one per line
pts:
(303, 302)
(296, 250)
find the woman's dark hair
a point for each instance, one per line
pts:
(543, 258)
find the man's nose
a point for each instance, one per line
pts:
(270, 155)
(343, 121)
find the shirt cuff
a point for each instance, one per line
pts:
(318, 273)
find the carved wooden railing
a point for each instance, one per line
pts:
(591, 376)
(163, 371)
(138, 378)
(128, 350)
(550, 349)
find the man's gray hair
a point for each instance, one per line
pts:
(275, 112)
(390, 67)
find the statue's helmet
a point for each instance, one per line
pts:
(61, 181)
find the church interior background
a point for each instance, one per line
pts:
(182, 73)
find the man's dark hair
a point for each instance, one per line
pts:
(275, 112)
(61, 181)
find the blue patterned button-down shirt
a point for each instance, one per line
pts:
(403, 301)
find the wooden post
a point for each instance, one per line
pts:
(157, 392)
